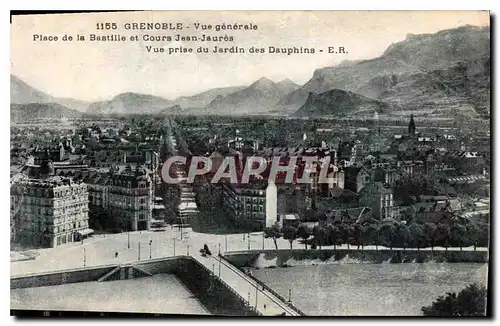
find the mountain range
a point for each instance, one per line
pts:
(260, 97)
(429, 73)
(338, 102)
(416, 72)
(33, 111)
(126, 103)
(22, 93)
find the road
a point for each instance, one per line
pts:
(101, 249)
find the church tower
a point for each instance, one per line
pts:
(411, 127)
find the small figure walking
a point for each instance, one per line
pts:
(116, 254)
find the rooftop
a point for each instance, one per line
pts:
(51, 182)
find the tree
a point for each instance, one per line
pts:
(430, 230)
(458, 234)
(472, 234)
(358, 233)
(407, 186)
(416, 235)
(335, 235)
(303, 232)
(319, 235)
(330, 236)
(443, 234)
(402, 235)
(314, 233)
(483, 236)
(274, 233)
(471, 301)
(344, 233)
(386, 235)
(290, 234)
(371, 235)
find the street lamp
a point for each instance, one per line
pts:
(289, 295)
(84, 257)
(128, 240)
(188, 250)
(263, 237)
(226, 241)
(249, 241)
(213, 269)
(219, 266)
(219, 248)
(174, 246)
(139, 250)
(150, 242)
(256, 296)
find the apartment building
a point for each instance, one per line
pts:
(121, 200)
(252, 205)
(49, 212)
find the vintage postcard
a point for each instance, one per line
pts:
(250, 163)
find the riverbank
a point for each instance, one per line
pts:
(300, 257)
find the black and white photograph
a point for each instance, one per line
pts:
(250, 163)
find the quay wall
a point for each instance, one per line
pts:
(85, 274)
(292, 257)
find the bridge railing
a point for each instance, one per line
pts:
(261, 285)
(229, 288)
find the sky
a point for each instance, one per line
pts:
(92, 71)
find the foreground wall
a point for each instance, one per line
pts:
(63, 277)
(215, 295)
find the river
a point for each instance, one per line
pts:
(370, 289)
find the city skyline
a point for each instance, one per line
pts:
(127, 67)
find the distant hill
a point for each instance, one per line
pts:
(33, 111)
(407, 61)
(259, 97)
(22, 93)
(287, 86)
(175, 109)
(203, 99)
(130, 103)
(79, 105)
(337, 102)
